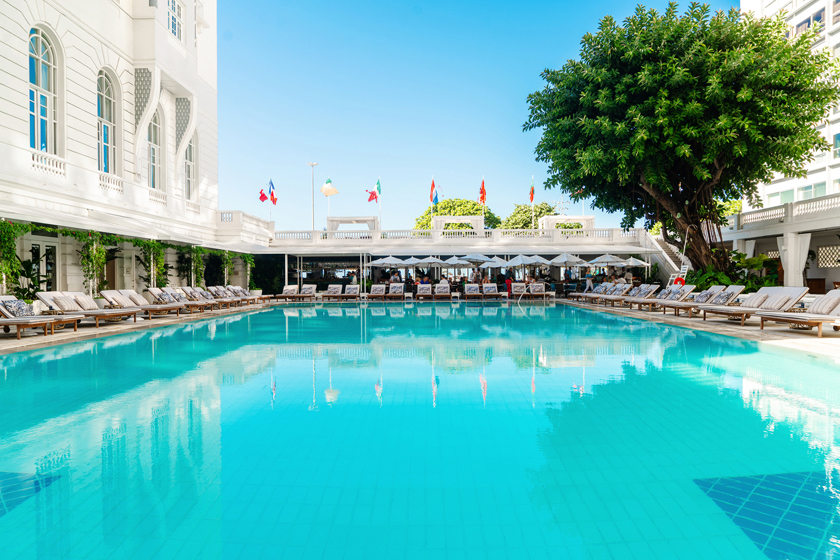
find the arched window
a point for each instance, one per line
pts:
(189, 170)
(155, 153)
(43, 121)
(106, 112)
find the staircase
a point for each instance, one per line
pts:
(669, 250)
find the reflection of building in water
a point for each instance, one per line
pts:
(151, 445)
(814, 417)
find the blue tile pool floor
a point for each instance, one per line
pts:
(418, 431)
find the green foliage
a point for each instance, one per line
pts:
(183, 265)
(9, 261)
(520, 218)
(28, 271)
(250, 264)
(651, 274)
(93, 257)
(457, 207)
(227, 267)
(198, 254)
(753, 273)
(665, 114)
(153, 262)
(730, 208)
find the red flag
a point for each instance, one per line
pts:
(532, 192)
(263, 198)
(373, 196)
(432, 192)
(482, 194)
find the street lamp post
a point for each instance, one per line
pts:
(312, 165)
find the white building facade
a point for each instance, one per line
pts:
(800, 215)
(108, 122)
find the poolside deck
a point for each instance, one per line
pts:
(774, 334)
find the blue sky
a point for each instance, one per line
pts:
(402, 91)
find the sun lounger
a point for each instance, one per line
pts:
(772, 298)
(537, 290)
(307, 292)
(333, 292)
(222, 301)
(632, 293)
(826, 310)
(491, 292)
(377, 291)
(55, 306)
(519, 290)
(351, 292)
(596, 294)
(134, 299)
(442, 291)
(472, 291)
(201, 305)
(220, 293)
(195, 295)
(726, 295)
(672, 294)
(242, 293)
(618, 290)
(599, 289)
(289, 293)
(424, 291)
(395, 291)
(48, 322)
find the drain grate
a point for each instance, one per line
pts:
(16, 488)
(790, 516)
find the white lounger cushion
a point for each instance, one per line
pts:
(65, 303)
(86, 302)
(824, 305)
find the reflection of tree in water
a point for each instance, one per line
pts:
(648, 430)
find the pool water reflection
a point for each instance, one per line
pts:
(480, 431)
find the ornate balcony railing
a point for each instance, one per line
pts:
(49, 163)
(111, 183)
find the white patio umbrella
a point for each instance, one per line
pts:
(457, 263)
(432, 261)
(519, 260)
(539, 260)
(607, 259)
(475, 258)
(411, 261)
(387, 261)
(633, 261)
(567, 260)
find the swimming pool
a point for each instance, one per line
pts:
(418, 431)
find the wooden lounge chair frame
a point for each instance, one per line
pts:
(744, 313)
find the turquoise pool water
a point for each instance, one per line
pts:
(424, 431)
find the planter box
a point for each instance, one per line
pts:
(101, 302)
(256, 293)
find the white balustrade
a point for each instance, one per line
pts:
(157, 197)
(48, 163)
(763, 215)
(193, 207)
(292, 235)
(226, 216)
(111, 183)
(813, 206)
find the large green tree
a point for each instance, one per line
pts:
(520, 218)
(457, 207)
(664, 114)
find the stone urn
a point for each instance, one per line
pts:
(101, 302)
(256, 293)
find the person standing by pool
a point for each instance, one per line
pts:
(589, 285)
(509, 285)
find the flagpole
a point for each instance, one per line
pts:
(380, 203)
(532, 203)
(483, 204)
